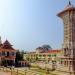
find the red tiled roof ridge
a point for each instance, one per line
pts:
(49, 51)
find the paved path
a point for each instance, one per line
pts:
(4, 73)
(60, 73)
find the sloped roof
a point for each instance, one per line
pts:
(6, 45)
(54, 51)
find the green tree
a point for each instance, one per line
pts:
(47, 47)
(19, 57)
(36, 58)
(4, 63)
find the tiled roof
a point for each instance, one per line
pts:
(53, 51)
(6, 45)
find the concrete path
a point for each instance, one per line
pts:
(4, 73)
(60, 73)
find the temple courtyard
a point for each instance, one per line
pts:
(27, 71)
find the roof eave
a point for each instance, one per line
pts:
(69, 9)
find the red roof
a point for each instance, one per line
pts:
(53, 51)
(7, 45)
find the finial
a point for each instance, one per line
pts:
(0, 37)
(0, 40)
(69, 2)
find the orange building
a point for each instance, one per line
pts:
(7, 54)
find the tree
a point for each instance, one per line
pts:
(36, 58)
(47, 47)
(4, 63)
(19, 57)
(44, 48)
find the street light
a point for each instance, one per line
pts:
(53, 63)
(47, 70)
(25, 70)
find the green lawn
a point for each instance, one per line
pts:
(42, 71)
(32, 69)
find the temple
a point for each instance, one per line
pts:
(7, 54)
(68, 47)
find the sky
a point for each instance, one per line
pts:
(28, 24)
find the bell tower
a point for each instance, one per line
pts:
(68, 18)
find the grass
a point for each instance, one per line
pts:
(43, 71)
(32, 69)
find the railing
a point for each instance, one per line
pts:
(14, 71)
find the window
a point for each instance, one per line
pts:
(0, 53)
(49, 55)
(7, 53)
(13, 53)
(3, 53)
(65, 63)
(40, 55)
(61, 62)
(70, 62)
(54, 55)
(44, 55)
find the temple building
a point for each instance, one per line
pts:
(68, 58)
(64, 58)
(7, 54)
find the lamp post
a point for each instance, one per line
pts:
(11, 71)
(25, 71)
(53, 63)
(47, 70)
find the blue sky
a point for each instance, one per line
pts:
(28, 24)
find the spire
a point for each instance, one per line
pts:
(0, 40)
